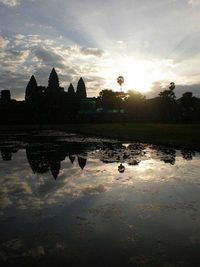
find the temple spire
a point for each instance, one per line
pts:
(53, 80)
(31, 89)
(71, 91)
(81, 89)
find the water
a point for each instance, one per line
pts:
(67, 200)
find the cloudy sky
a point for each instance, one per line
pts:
(149, 42)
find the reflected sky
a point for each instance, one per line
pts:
(146, 216)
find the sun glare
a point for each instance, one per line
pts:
(138, 75)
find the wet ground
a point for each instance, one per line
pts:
(68, 200)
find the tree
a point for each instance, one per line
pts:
(169, 94)
(134, 104)
(187, 100)
(81, 89)
(189, 107)
(109, 99)
(135, 96)
(167, 106)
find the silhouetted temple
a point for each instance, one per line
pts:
(53, 91)
(47, 104)
(5, 97)
(49, 159)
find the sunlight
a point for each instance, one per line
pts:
(137, 77)
(138, 74)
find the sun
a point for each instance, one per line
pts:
(135, 74)
(138, 74)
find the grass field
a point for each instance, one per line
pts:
(179, 135)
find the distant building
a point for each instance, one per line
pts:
(88, 105)
(81, 89)
(71, 91)
(31, 93)
(53, 84)
(48, 104)
(53, 91)
(5, 97)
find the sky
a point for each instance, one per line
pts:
(149, 42)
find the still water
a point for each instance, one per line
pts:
(68, 200)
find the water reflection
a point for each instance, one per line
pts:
(6, 152)
(187, 154)
(137, 202)
(48, 157)
(121, 168)
(45, 159)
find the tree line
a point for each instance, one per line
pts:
(52, 104)
(134, 106)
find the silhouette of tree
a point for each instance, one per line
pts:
(189, 107)
(109, 99)
(187, 154)
(167, 106)
(81, 89)
(168, 94)
(187, 100)
(134, 104)
(168, 155)
(120, 81)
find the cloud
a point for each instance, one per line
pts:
(159, 86)
(99, 46)
(97, 189)
(187, 47)
(194, 2)
(27, 41)
(10, 3)
(194, 88)
(11, 55)
(21, 56)
(49, 57)
(16, 82)
(24, 55)
(14, 57)
(72, 182)
(92, 51)
(3, 43)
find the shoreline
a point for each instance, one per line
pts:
(175, 135)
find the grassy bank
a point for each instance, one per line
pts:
(187, 135)
(180, 135)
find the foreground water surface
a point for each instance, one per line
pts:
(68, 200)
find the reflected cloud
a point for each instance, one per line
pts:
(10, 3)
(94, 190)
(72, 164)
